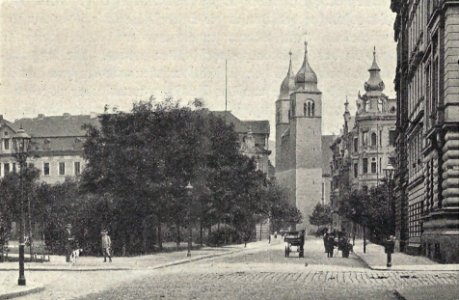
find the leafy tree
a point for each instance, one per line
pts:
(372, 209)
(321, 215)
(145, 158)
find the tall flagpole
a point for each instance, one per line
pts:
(226, 85)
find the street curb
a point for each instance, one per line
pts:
(377, 268)
(170, 264)
(363, 261)
(70, 270)
(184, 261)
(398, 295)
(10, 295)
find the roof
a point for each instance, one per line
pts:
(229, 118)
(257, 127)
(56, 126)
(327, 154)
(260, 127)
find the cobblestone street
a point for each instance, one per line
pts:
(262, 273)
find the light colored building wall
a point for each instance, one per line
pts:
(54, 162)
(308, 192)
(287, 179)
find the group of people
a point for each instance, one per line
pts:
(338, 239)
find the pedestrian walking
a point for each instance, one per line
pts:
(106, 245)
(330, 244)
(325, 236)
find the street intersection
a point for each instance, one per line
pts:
(259, 272)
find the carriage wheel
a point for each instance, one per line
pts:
(287, 251)
(301, 253)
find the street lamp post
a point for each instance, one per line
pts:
(189, 190)
(389, 244)
(21, 144)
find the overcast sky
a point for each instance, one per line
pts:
(77, 56)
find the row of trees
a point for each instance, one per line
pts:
(372, 209)
(138, 165)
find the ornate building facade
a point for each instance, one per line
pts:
(427, 86)
(302, 152)
(366, 145)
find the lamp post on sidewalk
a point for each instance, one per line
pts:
(390, 242)
(189, 190)
(21, 144)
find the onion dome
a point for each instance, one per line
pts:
(288, 84)
(374, 83)
(306, 78)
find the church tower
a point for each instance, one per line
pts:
(306, 131)
(299, 160)
(282, 115)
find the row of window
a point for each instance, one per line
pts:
(418, 24)
(46, 171)
(308, 109)
(373, 139)
(367, 163)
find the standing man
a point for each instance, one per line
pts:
(106, 245)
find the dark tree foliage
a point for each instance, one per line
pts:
(144, 159)
(10, 191)
(321, 215)
(372, 209)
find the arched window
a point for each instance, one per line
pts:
(373, 139)
(309, 108)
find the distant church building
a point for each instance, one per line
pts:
(303, 154)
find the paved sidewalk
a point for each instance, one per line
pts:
(376, 259)
(8, 280)
(440, 292)
(156, 260)
(9, 288)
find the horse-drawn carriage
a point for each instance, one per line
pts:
(294, 239)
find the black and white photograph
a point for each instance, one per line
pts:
(216, 149)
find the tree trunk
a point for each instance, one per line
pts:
(144, 236)
(261, 229)
(160, 237)
(178, 236)
(30, 226)
(200, 233)
(123, 247)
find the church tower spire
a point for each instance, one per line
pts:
(306, 78)
(374, 84)
(374, 87)
(288, 84)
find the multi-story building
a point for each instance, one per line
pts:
(427, 86)
(302, 153)
(366, 144)
(56, 147)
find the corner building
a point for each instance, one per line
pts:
(427, 86)
(302, 162)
